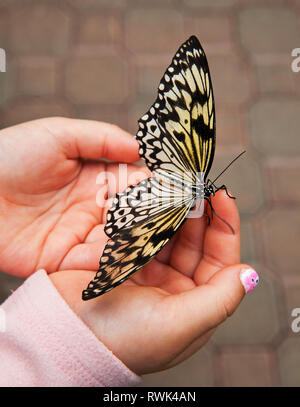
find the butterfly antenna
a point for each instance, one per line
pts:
(212, 182)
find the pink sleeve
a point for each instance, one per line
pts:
(44, 343)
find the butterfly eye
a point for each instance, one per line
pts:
(256, 281)
(252, 279)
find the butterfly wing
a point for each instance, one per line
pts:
(141, 221)
(177, 134)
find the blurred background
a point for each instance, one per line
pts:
(103, 59)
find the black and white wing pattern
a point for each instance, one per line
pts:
(177, 134)
(177, 142)
(141, 221)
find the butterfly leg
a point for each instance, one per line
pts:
(208, 218)
(219, 188)
(223, 187)
(213, 212)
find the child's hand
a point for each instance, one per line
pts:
(48, 213)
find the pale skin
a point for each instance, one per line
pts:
(49, 219)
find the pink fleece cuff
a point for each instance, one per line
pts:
(45, 344)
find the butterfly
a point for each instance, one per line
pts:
(177, 141)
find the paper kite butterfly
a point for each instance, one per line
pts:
(177, 142)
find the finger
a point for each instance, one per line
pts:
(157, 274)
(96, 234)
(165, 254)
(221, 247)
(84, 256)
(94, 140)
(187, 250)
(214, 301)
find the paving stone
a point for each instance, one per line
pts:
(289, 361)
(213, 40)
(196, 371)
(33, 30)
(209, 4)
(157, 3)
(268, 29)
(158, 31)
(4, 24)
(99, 4)
(88, 79)
(245, 368)
(100, 28)
(231, 129)
(257, 320)
(274, 126)
(104, 114)
(281, 229)
(37, 76)
(283, 178)
(34, 108)
(243, 179)
(275, 79)
(248, 251)
(137, 109)
(7, 83)
(231, 79)
(148, 78)
(268, 3)
(297, 82)
(8, 283)
(291, 286)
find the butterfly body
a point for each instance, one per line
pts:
(177, 141)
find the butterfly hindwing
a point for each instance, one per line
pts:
(147, 199)
(135, 241)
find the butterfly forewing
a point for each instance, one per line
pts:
(177, 134)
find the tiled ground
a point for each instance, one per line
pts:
(103, 59)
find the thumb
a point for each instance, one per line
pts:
(208, 305)
(93, 140)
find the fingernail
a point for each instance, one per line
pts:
(249, 278)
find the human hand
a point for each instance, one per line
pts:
(168, 310)
(48, 213)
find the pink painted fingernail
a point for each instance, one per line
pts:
(249, 279)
